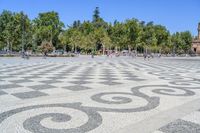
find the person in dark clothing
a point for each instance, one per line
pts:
(145, 56)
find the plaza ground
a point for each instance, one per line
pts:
(100, 95)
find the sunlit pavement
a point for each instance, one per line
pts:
(99, 95)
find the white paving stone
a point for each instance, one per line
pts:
(100, 95)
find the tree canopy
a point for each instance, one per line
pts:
(18, 32)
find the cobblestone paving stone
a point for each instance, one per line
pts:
(100, 95)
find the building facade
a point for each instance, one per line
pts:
(196, 42)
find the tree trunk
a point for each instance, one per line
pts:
(74, 49)
(8, 47)
(64, 48)
(129, 49)
(146, 50)
(136, 50)
(11, 47)
(103, 50)
(51, 38)
(116, 49)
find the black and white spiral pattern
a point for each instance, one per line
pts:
(50, 118)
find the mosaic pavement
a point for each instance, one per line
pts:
(100, 95)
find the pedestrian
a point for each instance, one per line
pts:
(27, 55)
(92, 54)
(148, 57)
(145, 56)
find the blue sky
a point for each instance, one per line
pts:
(176, 15)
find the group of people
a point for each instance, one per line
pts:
(148, 56)
(25, 55)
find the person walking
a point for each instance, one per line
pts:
(148, 57)
(145, 56)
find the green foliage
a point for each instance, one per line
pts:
(96, 15)
(12, 27)
(186, 38)
(7, 35)
(181, 42)
(47, 27)
(18, 32)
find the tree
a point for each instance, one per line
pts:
(47, 27)
(76, 39)
(96, 15)
(118, 35)
(162, 36)
(89, 42)
(176, 41)
(186, 38)
(102, 39)
(133, 32)
(6, 28)
(46, 47)
(76, 24)
(23, 32)
(87, 29)
(18, 32)
(149, 39)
